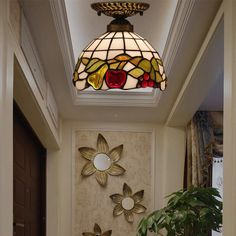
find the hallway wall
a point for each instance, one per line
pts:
(91, 201)
(10, 52)
(168, 164)
(6, 125)
(169, 146)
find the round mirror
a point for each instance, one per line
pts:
(128, 203)
(102, 162)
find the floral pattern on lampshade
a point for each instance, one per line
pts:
(119, 60)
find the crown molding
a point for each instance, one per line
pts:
(58, 9)
(108, 98)
(180, 20)
(212, 38)
(129, 98)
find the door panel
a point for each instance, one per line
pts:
(29, 180)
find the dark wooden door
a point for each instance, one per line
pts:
(29, 180)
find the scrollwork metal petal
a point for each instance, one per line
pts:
(127, 190)
(87, 153)
(88, 169)
(138, 196)
(118, 210)
(107, 233)
(88, 234)
(97, 229)
(101, 177)
(138, 208)
(116, 169)
(117, 198)
(102, 145)
(129, 216)
(115, 153)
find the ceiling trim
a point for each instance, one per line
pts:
(58, 9)
(182, 101)
(118, 98)
(177, 30)
(106, 98)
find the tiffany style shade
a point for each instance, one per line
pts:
(119, 59)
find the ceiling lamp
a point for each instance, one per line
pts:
(120, 58)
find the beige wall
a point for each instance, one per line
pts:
(168, 143)
(6, 123)
(15, 18)
(10, 48)
(229, 118)
(167, 163)
(91, 201)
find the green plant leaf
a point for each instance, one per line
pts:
(194, 211)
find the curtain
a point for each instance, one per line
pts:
(217, 174)
(217, 180)
(204, 141)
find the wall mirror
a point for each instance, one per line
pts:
(102, 161)
(128, 203)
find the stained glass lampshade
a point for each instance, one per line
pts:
(119, 58)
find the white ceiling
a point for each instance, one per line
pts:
(85, 24)
(156, 25)
(215, 98)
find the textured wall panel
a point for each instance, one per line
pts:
(91, 201)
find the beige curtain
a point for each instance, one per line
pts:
(204, 140)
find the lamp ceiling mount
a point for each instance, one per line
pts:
(120, 9)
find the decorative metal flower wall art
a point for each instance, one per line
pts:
(102, 161)
(128, 203)
(97, 232)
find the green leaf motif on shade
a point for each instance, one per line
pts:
(75, 76)
(159, 62)
(155, 64)
(85, 61)
(123, 57)
(145, 65)
(136, 60)
(152, 75)
(158, 77)
(92, 61)
(95, 66)
(96, 79)
(114, 66)
(136, 73)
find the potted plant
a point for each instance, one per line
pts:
(194, 212)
